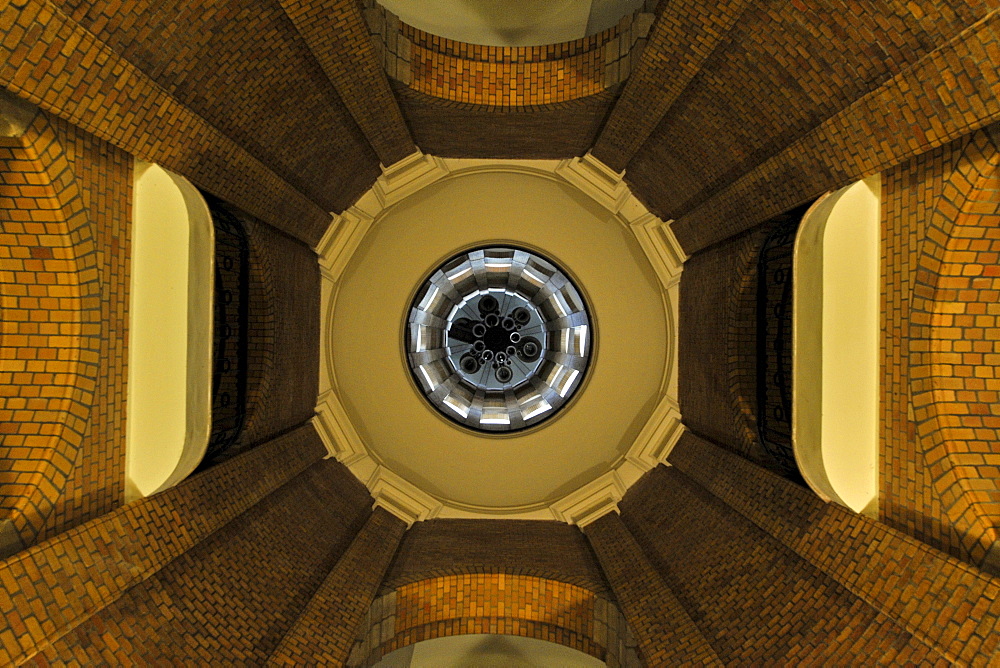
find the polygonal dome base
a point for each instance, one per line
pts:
(373, 414)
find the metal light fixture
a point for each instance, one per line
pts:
(498, 339)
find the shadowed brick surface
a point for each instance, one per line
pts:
(550, 550)
(326, 630)
(664, 631)
(55, 586)
(804, 124)
(717, 353)
(338, 37)
(244, 69)
(75, 76)
(459, 130)
(283, 347)
(756, 601)
(947, 605)
(684, 35)
(231, 598)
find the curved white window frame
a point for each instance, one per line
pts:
(835, 363)
(170, 332)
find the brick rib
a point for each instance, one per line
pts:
(125, 547)
(922, 589)
(325, 632)
(948, 93)
(338, 36)
(684, 35)
(75, 76)
(666, 633)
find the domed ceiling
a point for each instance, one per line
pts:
(372, 412)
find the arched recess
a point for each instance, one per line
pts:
(487, 650)
(835, 350)
(741, 340)
(495, 603)
(261, 335)
(170, 332)
(49, 313)
(955, 349)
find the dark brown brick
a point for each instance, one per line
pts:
(436, 548)
(326, 630)
(665, 632)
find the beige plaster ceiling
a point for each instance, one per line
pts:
(512, 22)
(375, 257)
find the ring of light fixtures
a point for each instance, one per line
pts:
(498, 339)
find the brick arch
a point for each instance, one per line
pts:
(507, 77)
(955, 349)
(495, 603)
(49, 342)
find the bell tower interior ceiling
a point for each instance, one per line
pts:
(490, 316)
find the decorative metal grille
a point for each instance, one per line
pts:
(498, 339)
(230, 332)
(774, 344)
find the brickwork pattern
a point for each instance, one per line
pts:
(260, 330)
(505, 604)
(665, 633)
(457, 130)
(52, 61)
(231, 598)
(758, 105)
(511, 77)
(244, 69)
(683, 36)
(717, 344)
(283, 347)
(954, 347)
(947, 93)
(506, 77)
(752, 71)
(755, 600)
(51, 326)
(949, 606)
(55, 586)
(338, 36)
(549, 550)
(96, 484)
(608, 627)
(908, 500)
(327, 628)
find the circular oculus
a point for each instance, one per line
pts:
(498, 339)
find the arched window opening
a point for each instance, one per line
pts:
(170, 332)
(835, 357)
